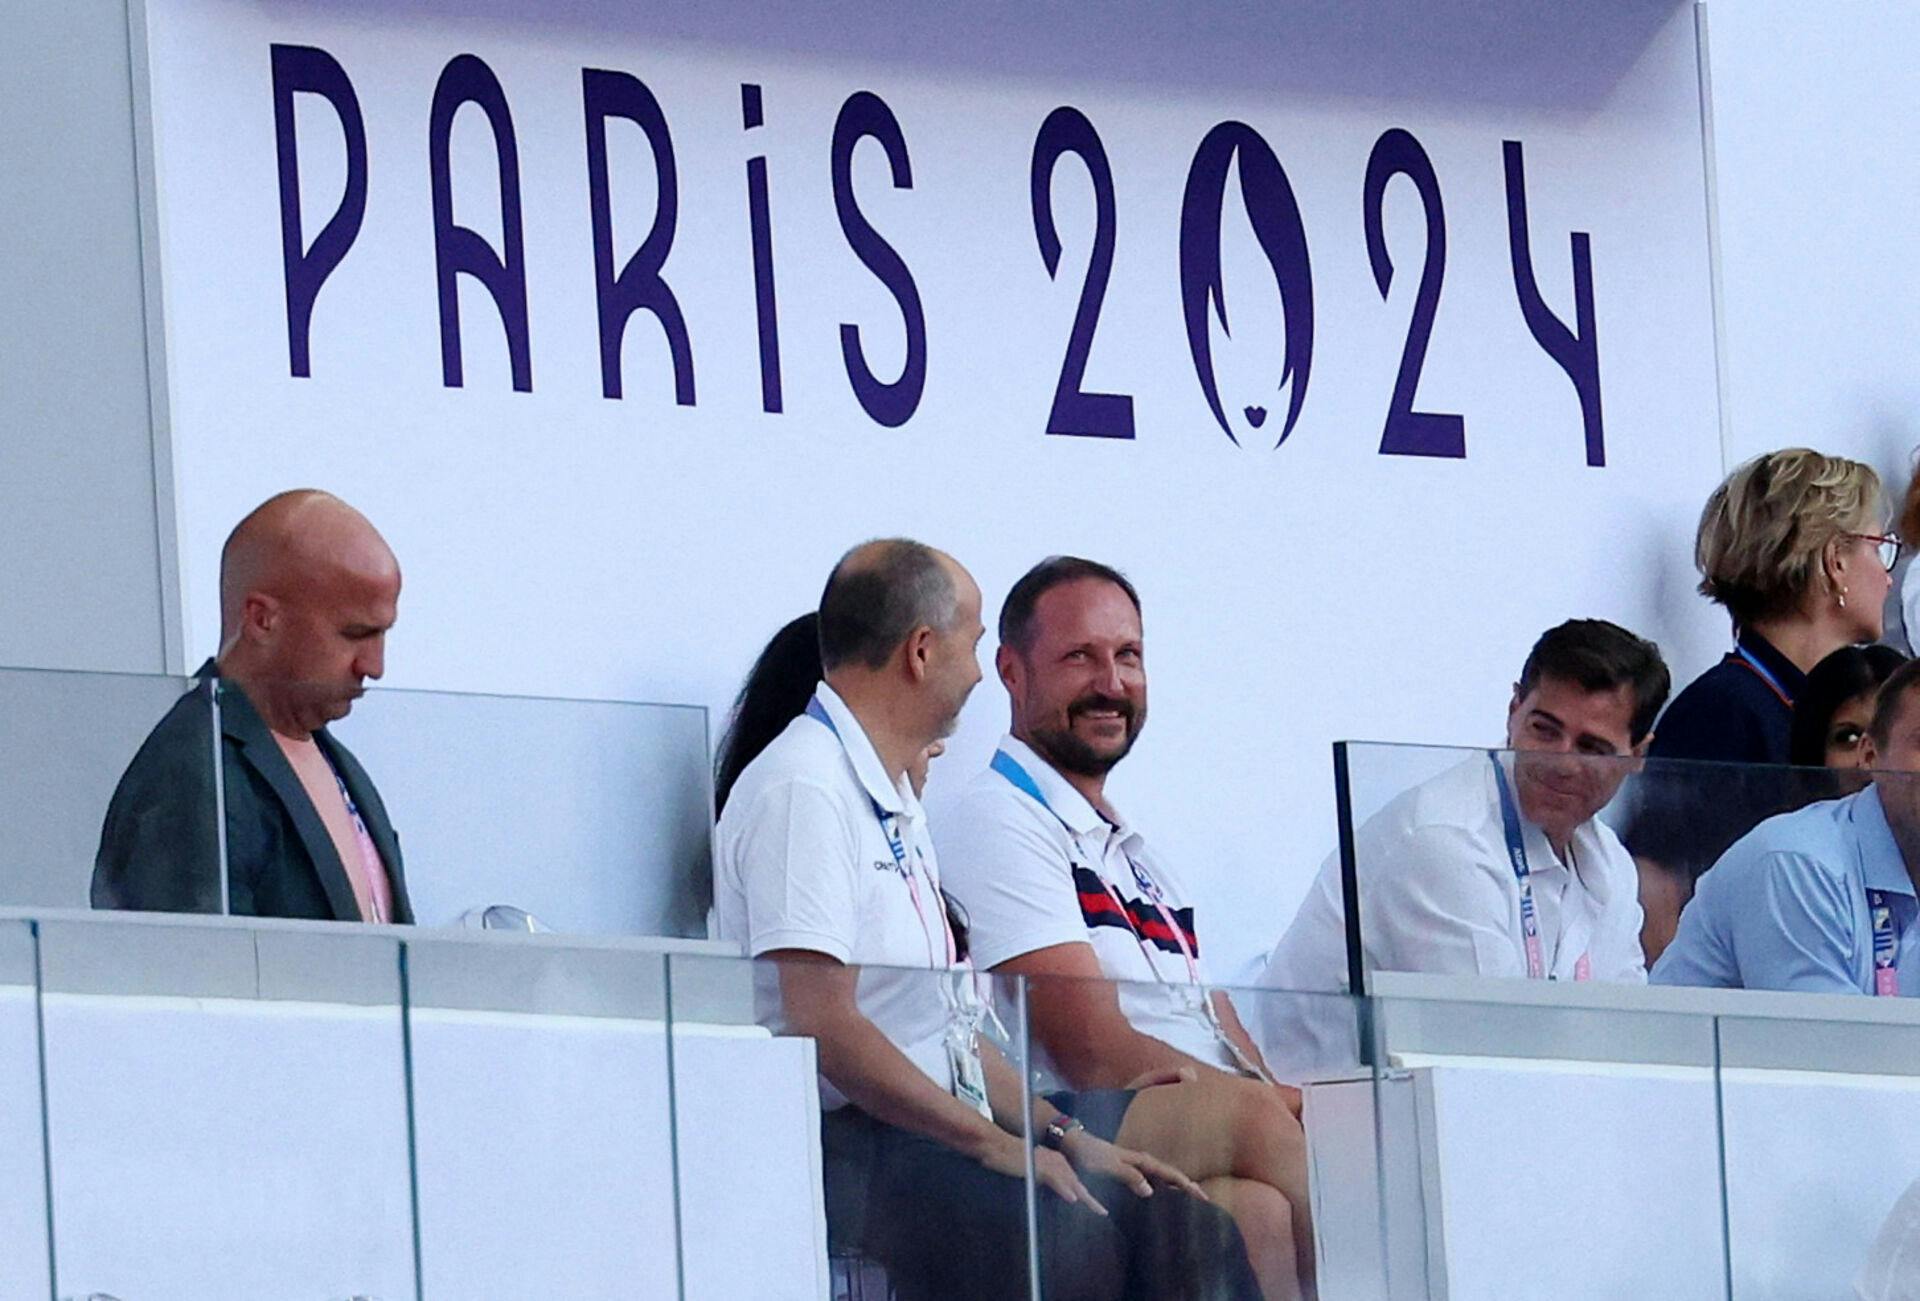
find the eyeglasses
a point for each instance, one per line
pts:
(1888, 545)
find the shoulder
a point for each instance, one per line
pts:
(989, 825)
(805, 755)
(1805, 851)
(799, 776)
(1445, 813)
(1723, 714)
(175, 756)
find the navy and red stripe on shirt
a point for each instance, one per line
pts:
(1147, 920)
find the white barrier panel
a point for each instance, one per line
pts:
(23, 1206)
(624, 320)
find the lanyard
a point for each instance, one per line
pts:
(1886, 944)
(363, 842)
(1523, 875)
(1748, 660)
(1009, 767)
(890, 828)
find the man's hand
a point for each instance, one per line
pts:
(1137, 1170)
(1008, 1156)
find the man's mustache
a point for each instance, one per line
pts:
(1087, 704)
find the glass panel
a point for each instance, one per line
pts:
(1592, 1124)
(227, 1110)
(23, 1171)
(1819, 1095)
(1269, 1211)
(1435, 841)
(69, 742)
(542, 1117)
(585, 816)
(782, 1198)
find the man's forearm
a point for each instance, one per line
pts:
(878, 1078)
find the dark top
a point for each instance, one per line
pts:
(159, 847)
(1733, 713)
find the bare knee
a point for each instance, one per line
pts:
(1265, 1130)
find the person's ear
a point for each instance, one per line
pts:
(919, 653)
(1869, 752)
(259, 616)
(1646, 743)
(1007, 665)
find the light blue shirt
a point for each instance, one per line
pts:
(1786, 906)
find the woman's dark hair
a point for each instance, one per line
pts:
(776, 692)
(1848, 673)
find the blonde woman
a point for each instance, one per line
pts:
(1796, 546)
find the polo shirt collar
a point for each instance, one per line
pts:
(1881, 865)
(1792, 681)
(843, 723)
(1055, 791)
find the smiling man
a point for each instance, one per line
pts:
(308, 590)
(1450, 872)
(1062, 889)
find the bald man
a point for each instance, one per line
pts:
(308, 590)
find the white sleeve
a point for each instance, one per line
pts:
(798, 857)
(1012, 878)
(1624, 962)
(1429, 903)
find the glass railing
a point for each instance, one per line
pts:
(228, 1108)
(1575, 867)
(66, 747)
(579, 816)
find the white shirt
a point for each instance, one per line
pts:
(802, 860)
(1438, 894)
(1033, 874)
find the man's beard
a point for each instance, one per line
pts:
(1067, 752)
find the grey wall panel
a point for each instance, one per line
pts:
(80, 559)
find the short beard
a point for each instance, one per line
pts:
(1069, 753)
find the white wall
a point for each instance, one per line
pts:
(1815, 115)
(559, 542)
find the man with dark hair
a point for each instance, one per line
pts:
(823, 865)
(1061, 889)
(1498, 866)
(1821, 899)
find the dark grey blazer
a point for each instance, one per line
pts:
(159, 851)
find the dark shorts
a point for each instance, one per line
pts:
(1100, 1110)
(946, 1228)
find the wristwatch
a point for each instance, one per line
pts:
(1055, 1134)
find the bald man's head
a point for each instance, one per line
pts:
(910, 614)
(308, 589)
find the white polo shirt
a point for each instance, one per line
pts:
(1035, 865)
(802, 860)
(1438, 893)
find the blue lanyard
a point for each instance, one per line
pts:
(1009, 767)
(1886, 944)
(890, 827)
(889, 822)
(1522, 873)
